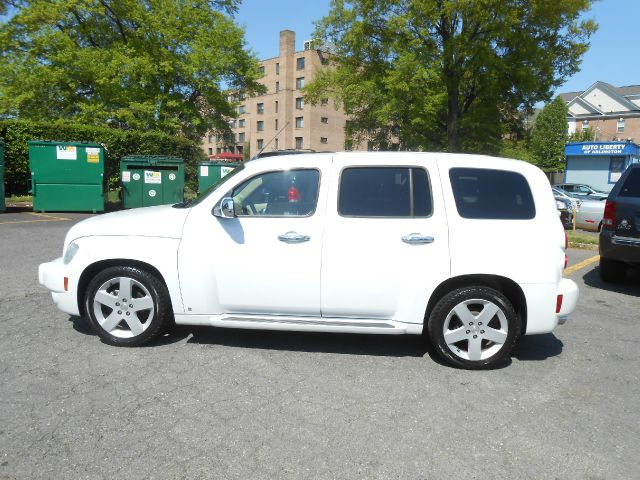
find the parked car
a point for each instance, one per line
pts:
(565, 211)
(574, 201)
(465, 248)
(580, 190)
(589, 215)
(620, 234)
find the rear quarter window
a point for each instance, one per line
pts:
(631, 185)
(491, 194)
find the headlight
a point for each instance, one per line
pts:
(560, 205)
(71, 251)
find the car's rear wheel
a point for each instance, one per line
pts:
(612, 270)
(127, 306)
(474, 327)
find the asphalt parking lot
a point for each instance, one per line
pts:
(216, 403)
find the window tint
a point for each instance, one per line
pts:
(288, 193)
(491, 194)
(384, 192)
(631, 186)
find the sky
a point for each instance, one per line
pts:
(613, 57)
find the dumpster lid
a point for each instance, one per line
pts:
(151, 159)
(59, 142)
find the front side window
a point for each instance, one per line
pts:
(385, 192)
(492, 194)
(290, 193)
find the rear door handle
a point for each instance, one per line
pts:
(417, 239)
(293, 237)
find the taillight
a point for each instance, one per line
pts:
(609, 219)
(558, 303)
(566, 241)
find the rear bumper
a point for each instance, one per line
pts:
(51, 275)
(616, 247)
(569, 291)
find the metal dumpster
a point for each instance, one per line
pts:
(210, 172)
(3, 206)
(67, 176)
(151, 180)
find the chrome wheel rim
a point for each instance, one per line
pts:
(475, 329)
(123, 307)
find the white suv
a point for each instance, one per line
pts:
(465, 248)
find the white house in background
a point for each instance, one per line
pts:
(612, 113)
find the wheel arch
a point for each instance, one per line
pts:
(93, 269)
(506, 286)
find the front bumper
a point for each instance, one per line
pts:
(569, 291)
(52, 276)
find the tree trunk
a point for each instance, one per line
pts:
(453, 115)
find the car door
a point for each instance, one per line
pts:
(385, 241)
(266, 259)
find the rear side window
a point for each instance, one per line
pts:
(491, 194)
(384, 192)
(631, 186)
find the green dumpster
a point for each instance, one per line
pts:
(210, 172)
(151, 180)
(67, 176)
(3, 206)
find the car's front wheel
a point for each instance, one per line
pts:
(127, 306)
(474, 327)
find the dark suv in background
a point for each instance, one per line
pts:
(620, 234)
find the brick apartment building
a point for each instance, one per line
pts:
(283, 109)
(612, 113)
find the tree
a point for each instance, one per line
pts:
(549, 136)
(584, 135)
(131, 64)
(446, 74)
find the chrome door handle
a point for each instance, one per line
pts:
(293, 237)
(417, 239)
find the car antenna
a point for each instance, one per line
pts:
(269, 142)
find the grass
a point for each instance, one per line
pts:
(581, 240)
(19, 198)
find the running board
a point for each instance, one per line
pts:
(302, 324)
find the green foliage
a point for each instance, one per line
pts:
(549, 136)
(446, 74)
(128, 64)
(584, 135)
(118, 143)
(517, 150)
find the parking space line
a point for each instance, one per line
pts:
(582, 264)
(45, 218)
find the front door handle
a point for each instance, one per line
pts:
(293, 237)
(417, 239)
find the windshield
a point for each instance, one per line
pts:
(212, 188)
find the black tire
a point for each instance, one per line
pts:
(504, 323)
(144, 289)
(612, 271)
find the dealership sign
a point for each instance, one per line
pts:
(601, 148)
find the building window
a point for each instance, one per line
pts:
(262, 71)
(239, 149)
(277, 87)
(275, 145)
(323, 140)
(218, 150)
(300, 103)
(299, 82)
(276, 106)
(324, 119)
(241, 137)
(621, 125)
(300, 63)
(299, 122)
(299, 143)
(210, 151)
(276, 124)
(324, 101)
(585, 124)
(261, 108)
(277, 69)
(260, 144)
(242, 96)
(260, 125)
(232, 124)
(211, 138)
(242, 109)
(241, 123)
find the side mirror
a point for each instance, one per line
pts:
(225, 209)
